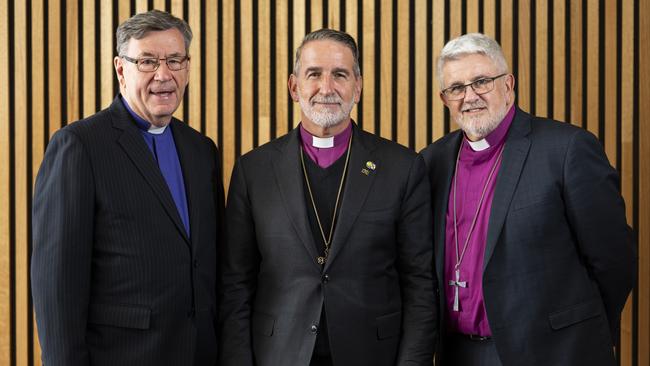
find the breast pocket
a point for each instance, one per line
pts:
(379, 216)
(531, 202)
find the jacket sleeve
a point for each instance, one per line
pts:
(415, 266)
(239, 270)
(62, 223)
(596, 213)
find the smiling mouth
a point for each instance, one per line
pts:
(326, 103)
(473, 110)
(163, 94)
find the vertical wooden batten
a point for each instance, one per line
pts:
(583, 62)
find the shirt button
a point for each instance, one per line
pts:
(314, 328)
(326, 278)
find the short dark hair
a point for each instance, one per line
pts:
(140, 24)
(326, 34)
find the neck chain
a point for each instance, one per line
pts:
(459, 257)
(322, 259)
(456, 282)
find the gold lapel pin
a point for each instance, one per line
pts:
(365, 171)
(371, 165)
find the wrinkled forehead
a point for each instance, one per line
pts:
(326, 54)
(467, 68)
(168, 42)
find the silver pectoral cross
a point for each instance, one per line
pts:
(457, 283)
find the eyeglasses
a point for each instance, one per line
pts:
(150, 64)
(480, 86)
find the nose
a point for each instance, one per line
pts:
(163, 73)
(470, 94)
(326, 85)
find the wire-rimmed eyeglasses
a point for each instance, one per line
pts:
(151, 64)
(480, 86)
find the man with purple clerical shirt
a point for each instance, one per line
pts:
(533, 253)
(328, 257)
(126, 218)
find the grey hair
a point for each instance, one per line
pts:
(468, 44)
(326, 34)
(140, 24)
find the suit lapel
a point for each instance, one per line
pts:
(514, 156)
(186, 152)
(289, 176)
(443, 176)
(357, 186)
(134, 146)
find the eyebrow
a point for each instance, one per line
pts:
(313, 69)
(320, 69)
(149, 54)
(341, 70)
(478, 77)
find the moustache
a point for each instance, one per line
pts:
(468, 106)
(326, 99)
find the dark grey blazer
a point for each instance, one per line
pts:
(115, 278)
(377, 286)
(559, 259)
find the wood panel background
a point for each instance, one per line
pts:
(583, 61)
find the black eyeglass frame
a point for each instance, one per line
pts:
(445, 91)
(137, 62)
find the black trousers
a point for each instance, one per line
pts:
(463, 351)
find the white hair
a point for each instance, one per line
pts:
(469, 44)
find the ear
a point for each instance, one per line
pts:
(444, 101)
(292, 84)
(510, 87)
(119, 70)
(358, 88)
(510, 82)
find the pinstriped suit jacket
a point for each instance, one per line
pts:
(115, 278)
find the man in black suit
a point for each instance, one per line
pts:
(531, 241)
(126, 216)
(328, 252)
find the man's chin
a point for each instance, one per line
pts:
(163, 110)
(326, 121)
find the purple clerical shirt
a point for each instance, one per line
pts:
(325, 156)
(476, 161)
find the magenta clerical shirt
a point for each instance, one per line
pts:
(476, 161)
(325, 156)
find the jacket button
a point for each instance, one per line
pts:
(196, 263)
(326, 278)
(314, 328)
(191, 313)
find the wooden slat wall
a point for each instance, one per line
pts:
(585, 62)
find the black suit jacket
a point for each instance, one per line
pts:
(377, 287)
(559, 260)
(115, 278)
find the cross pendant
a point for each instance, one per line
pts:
(457, 283)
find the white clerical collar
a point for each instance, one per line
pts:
(479, 145)
(156, 130)
(322, 142)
